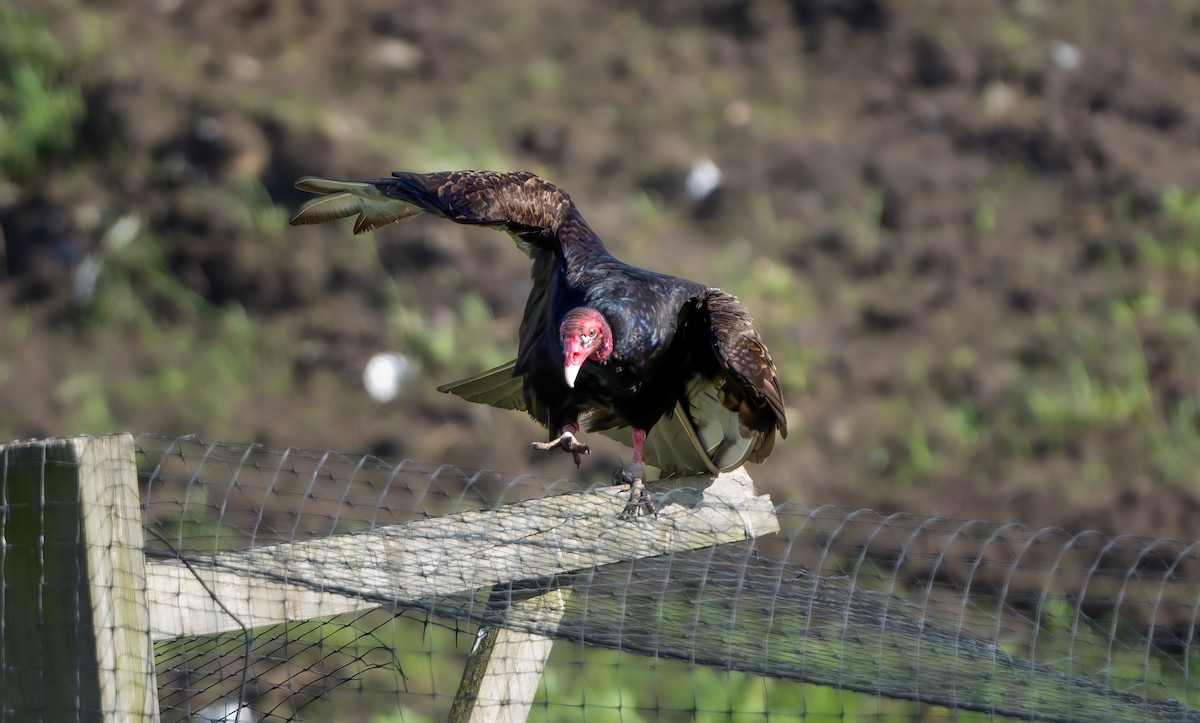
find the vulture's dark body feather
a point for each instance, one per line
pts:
(686, 362)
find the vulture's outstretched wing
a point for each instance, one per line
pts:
(532, 210)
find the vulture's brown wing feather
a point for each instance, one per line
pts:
(743, 376)
(746, 362)
(516, 201)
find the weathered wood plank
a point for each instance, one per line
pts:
(466, 551)
(76, 643)
(182, 605)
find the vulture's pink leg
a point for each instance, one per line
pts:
(639, 501)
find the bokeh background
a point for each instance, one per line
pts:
(970, 231)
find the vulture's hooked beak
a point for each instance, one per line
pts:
(572, 371)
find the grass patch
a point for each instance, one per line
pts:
(40, 106)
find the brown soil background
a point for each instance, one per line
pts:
(940, 212)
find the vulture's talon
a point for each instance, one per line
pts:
(567, 442)
(640, 503)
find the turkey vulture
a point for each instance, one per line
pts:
(604, 346)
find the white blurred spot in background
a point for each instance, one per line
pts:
(386, 373)
(87, 271)
(702, 180)
(1066, 56)
(226, 711)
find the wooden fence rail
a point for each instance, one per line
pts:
(81, 605)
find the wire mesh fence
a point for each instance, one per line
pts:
(288, 585)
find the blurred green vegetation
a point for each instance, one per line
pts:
(405, 670)
(39, 105)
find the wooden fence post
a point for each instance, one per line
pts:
(74, 621)
(504, 669)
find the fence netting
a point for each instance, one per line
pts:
(840, 615)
